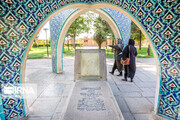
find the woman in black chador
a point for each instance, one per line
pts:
(129, 70)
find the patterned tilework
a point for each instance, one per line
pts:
(2, 117)
(123, 22)
(19, 20)
(56, 24)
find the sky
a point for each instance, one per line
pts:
(42, 34)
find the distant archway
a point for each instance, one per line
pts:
(57, 58)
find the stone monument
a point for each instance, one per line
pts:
(91, 98)
(90, 64)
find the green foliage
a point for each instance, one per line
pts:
(102, 31)
(67, 52)
(77, 27)
(71, 45)
(80, 25)
(41, 52)
(136, 36)
(135, 32)
(99, 38)
(143, 53)
(34, 44)
(89, 18)
(80, 40)
(109, 53)
(101, 24)
(40, 43)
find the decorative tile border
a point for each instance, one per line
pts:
(20, 19)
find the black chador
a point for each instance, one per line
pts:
(129, 70)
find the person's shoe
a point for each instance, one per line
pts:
(124, 79)
(131, 80)
(111, 73)
(120, 74)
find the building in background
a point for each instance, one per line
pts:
(88, 42)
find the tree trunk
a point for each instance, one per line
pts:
(148, 51)
(140, 41)
(112, 44)
(68, 44)
(99, 46)
(106, 43)
(63, 49)
(74, 41)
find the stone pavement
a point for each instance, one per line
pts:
(136, 100)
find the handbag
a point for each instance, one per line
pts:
(127, 61)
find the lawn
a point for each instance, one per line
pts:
(41, 52)
(143, 53)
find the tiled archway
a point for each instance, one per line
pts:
(60, 24)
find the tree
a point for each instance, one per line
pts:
(148, 50)
(99, 38)
(103, 28)
(78, 26)
(136, 34)
(34, 43)
(138, 37)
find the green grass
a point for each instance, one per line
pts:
(41, 52)
(143, 53)
(67, 52)
(109, 53)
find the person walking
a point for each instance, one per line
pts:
(117, 65)
(129, 70)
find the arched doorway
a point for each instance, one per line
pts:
(96, 6)
(59, 42)
(146, 14)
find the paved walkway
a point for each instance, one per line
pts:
(136, 100)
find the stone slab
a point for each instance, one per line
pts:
(139, 105)
(152, 100)
(148, 94)
(37, 118)
(122, 104)
(56, 116)
(61, 104)
(130, 94)
(128, 116)
(129, 88)
(147, 84)
(90, 64)
(143, 116)
(92, 100)
(53, 90)
(44, 106)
